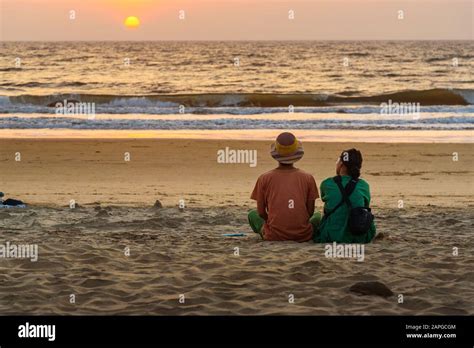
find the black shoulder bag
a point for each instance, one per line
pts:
(360, 218)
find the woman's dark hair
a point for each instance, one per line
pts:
(352, 159)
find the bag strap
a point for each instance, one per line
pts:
(345, 192)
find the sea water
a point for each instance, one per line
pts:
(306, 85)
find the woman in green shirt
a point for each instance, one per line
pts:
(334, 227)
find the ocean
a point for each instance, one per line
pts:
(310, 85)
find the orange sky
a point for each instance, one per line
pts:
(237, 20)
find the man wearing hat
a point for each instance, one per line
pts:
(285, 196)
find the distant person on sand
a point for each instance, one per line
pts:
(347, 216)
(285, 196)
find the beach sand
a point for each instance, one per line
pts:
(177, 252)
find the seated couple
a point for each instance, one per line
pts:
(286, 200)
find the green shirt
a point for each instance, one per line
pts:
(335, 227)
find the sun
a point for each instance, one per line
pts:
(132, 22)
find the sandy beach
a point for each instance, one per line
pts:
(177, 252)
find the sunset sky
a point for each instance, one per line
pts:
(38, 20)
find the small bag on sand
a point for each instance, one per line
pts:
(13, 202)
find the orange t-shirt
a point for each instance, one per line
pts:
(285, 193)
